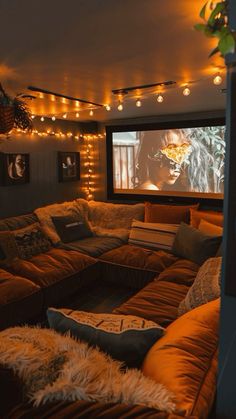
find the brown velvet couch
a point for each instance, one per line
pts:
(161, 280)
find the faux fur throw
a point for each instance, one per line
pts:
(55, 367)
(118, 216)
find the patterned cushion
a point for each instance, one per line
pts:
(153, 235)
(31, 241)
(8, 248)
(206, 286)
(126, 338)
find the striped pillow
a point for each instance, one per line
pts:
(153, 235)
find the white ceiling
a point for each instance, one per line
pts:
(86, 48)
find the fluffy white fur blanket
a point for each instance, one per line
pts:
(54, 367)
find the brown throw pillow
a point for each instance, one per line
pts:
(8, 248)
(213, 217)
(170, 214)
(31, 241)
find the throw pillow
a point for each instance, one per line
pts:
(209, 228)
(213, 217)
(71, 228)
(171, 214)
(192, 244)
(206, 286)
(31, 241)
(8, 248)
(126, 338)
(153, 235)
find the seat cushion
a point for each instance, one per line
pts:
(20, 299)
(95, 246)
(185, 359)
(134, 266)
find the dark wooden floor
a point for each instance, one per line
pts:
(101, 297)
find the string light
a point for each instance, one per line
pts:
(217, 80)
(42, 118)
(64, 116)
(91, 113)
(53, 118)
(186, 91)
(108, 108)
(120, 107)
(138, 103)
(160, 98)
(32, 116)
(77, 114)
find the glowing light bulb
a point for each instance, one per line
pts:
(217, 80)
(138, 103)
(91, 113)
(160, 98)
(186, 91)
(32, 116)
(42, 118)
(64, 116)
(120, 107)
(53, 118)
(77, 114)
(108, 108)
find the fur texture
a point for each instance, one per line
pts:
(54, 367)
(120, 216)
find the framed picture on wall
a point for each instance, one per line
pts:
(14, 169)
(68, 166)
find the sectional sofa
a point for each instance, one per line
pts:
(185, 359)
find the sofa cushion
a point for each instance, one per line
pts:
(126, 338)
(170, 214)
(8, 248)
(153, 235)
(185, 359)
(48, 268)
(209, 228)
(206, 286)
(192, 244)
(31, 241)
(71, 227)
(20, 299)
(94, 246)
(13, 223)
(213, 217)
(109, 215)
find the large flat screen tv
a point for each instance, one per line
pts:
(174, 161)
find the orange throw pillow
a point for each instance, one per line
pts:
(185, 359)
(169, 214)
(212, 217)
(210, 229)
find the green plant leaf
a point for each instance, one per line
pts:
(226, 44)
(218, 9)
(203, 11)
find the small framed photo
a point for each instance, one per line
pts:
(15, 169)
(68, 166)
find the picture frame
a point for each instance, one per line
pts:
(15, 168)
(68, 166)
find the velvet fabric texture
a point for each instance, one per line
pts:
(209, 228)
(185, 359)
(191, 244)
(126, 338)
(170, 214)
(213, 217)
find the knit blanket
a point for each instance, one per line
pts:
(53, 367)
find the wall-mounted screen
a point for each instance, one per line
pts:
(176, 159)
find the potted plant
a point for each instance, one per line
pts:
(215, 16)
(13, 113)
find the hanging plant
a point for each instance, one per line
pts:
(13, 113)
(215, 16)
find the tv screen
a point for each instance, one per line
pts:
(182, 160)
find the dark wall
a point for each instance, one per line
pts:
(43, 187)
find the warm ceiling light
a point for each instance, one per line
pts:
(138, 103)
(120, 107)
(217, 80)
(42, 118)
(64, 116)
(160, 98)
(53, 118)
(186, 91)
(108, 108)
(77, 114)
(91, 113)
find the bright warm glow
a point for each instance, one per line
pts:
(53, 118)
(42, 118)
(120, 107)
(108, 108)
(91, 113)
(77, 114)
(32, 116)
(217, 80)
(160, 98)
(64, 116)
(186, 91)
(138, 103)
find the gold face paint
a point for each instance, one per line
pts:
(177, 153)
